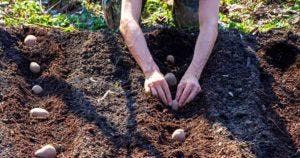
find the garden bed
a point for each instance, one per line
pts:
(249, 106)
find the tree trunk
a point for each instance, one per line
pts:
(185, 13)
(112, 12)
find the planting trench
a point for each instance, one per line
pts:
(249, 106)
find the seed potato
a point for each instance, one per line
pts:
(178, 135)
(35, 67)
(171, 79)
(47, 151)
(30, 40)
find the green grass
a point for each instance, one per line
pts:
(157, 12)
(30, 12)
(243, 20)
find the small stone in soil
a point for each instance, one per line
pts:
(171, 79)
(39, 113)
(179, 135)
(47, 151)
(175, 105)
(171, 59)
(35, 67)
(30, 40)
(37, 89)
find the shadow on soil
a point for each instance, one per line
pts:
(237, 93)
(79, 105)
(247, 114)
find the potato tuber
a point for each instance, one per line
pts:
(179, 135)
(39, 113)
(35, 67)
(171, 79)
(37, 89)
(171, 59)
(47, 151)
(30, 40)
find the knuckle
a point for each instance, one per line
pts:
(155, 83)
(180, 85)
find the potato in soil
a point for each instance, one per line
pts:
(30, 40)
(35, 67)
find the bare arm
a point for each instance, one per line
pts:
(208, 17)
(133, 35)
(136, 43)
(189, 86)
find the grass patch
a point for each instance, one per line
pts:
(234, 14)
(29, 12)
(157, 12)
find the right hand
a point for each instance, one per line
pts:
(156, 83)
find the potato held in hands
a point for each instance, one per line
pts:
(171, 79)
(175, 105)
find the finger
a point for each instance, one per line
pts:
(186, 92)
(192, 95)
(166, 89)
(147, 88)
(154, 92)
(180, 89)
(161, 94)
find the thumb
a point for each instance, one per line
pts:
(146, 86)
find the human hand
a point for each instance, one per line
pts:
(187, 89)
(156, 83)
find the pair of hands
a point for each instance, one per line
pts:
(187, 88)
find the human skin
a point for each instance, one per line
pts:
(155, 83)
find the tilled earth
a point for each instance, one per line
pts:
(249, 106)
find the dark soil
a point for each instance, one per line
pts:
(261, 119)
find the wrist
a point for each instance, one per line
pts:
(150, 70)
(193, 71)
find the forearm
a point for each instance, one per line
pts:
(137, 45)
(204, 45)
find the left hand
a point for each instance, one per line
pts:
(187, 89)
